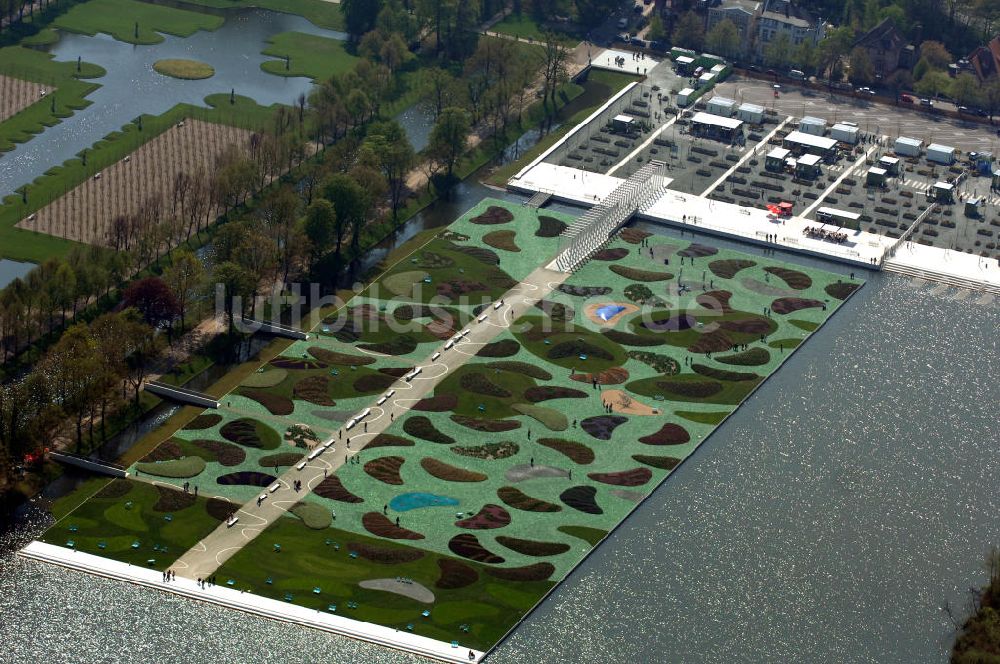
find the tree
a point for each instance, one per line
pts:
(154, 300)
(656, 30)
(724, 39)
(899, 81)
(392, 152)
(778, 52)
(689, 31)
(349, 203)
(448, 139)
(233, 285)
(320, 228)
(594, 12)
(141, 346)
(965, 90)
(554, 73)
(991, 97)
(806, 56)
(933, 83)
(862, 71)
(360, 15)
(71, 367)
(834, 46)
(184, 278)
(936, 54)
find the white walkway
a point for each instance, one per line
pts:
(570, 185)
(959, 264)
(261, 606)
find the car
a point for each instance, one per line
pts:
(926, 103)
(964, 110)
(698, 72)
(865, 91)
(641, 43)
(660, 46)
(905, 98)
(797, 74)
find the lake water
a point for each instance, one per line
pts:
(131, 87)
(828, 520)
(11, 270)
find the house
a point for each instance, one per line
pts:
(887, 48)
(743, 14)
(785, 18)
(985, 60)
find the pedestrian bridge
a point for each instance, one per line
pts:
(590, 232)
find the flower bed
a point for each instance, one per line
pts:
(467, 545)
(381, 526)
(449, 473)
(489, 451)
(532, 547)
(386, 469)
(334, 489)
(576, 452)
(421, 427)
(503, 240)
(514, 497)
(636, 274)
(669, 434)
(581, 498)
(489, 517)
(493, 215)
(602, 426)
(633, 477)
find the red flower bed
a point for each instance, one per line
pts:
(633, 477)
(493, 215)
(334, 489)
(727, 269)
(545, 392)
(467, 545)
(669, 434)
(578, 453)
(385, 555)
(275, 404)
(455, 574)
(386, 469)
(488, 518)
(381, 526)
(602, 426)
(786, 305)
(536, 572)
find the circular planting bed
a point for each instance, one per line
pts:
(467, 545)
(382, 526)
(188, 70)
(488, 518)
(602, 426)
(449, 473)
(514, 497)
(334, 489)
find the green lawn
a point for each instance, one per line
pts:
(20, 244)
(135, 22)
(319, 12)
(309, 55)
(70, 95)
(525, 27)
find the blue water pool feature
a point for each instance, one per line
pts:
(609, 311)
(415, 500)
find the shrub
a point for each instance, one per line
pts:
(315, 517)
(638, 293)
(551, 419)
(489, 451)
(661, 363)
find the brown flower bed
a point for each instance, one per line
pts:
(374, 382)
(576, 452)
(246, 478)
(334, 489)
(314, 389)
(635, 274)
(455, 574)
(168, 450)
(172, 500)
(698, 251)
(341, 359)
(244, 432)
(662, 462)
(296, 365)
(521, 367)
(514, 497)
(612, 376)
(226, 454)
(280, 459)
(532, 547)
(536, 572)
(502, 348)
(477, 383)
(794, 278)
(841, 290)
(423, 428)
(275, 404)
(486, 426)
(610, 254)
(629, 339)
(545, 392)
(549, 226)
(385, 555)
(755, 326)
(467, 545)
(437, 404)
(381, 526)
(493, 215)
(203, 421)
(716, 300)
(575, 348)
(669, 434)
(602, 426)
(633, 477)
(558, 312)
(715, 341)
(634, 235)
(388, 440)
(114, 489)
(386, 469)
(786, 305)
(723, 374)
(503, 240)
(582, 499)
(449, 473)
(697, 389)
(488, 451)
(220, 509)
(749, 358)
(488, 518)
(481, 254)
(727, 268)
(584, 291)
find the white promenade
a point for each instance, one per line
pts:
(235, 599)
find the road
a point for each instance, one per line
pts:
(872, 117)
(213, 551)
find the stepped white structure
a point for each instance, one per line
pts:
(597, 226)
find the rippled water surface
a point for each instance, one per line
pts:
(827, 521)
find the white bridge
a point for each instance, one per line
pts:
(590, 232)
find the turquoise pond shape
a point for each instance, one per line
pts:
(415, 500)
(609, 311)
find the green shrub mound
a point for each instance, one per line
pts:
(380, 525)
(313, 516)
(484, 425)
(723, 374)
(629, 339)
(749, 358)
(703, 417)
(556, 311)
(114, 489)
(806, 325)
(698, 389)
(661, 363)
(551, 419)
(225, 454)
(189, 466)
(635, 274)
(421, 427)
(403, 344)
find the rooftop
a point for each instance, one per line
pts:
(716, 120)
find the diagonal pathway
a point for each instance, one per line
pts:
(204, 558)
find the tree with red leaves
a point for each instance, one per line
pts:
(154, 300)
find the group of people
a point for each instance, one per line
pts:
(817, 233)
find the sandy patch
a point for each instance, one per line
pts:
(526, 471)
(591, 312)
(626, 404)
(407, 588)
